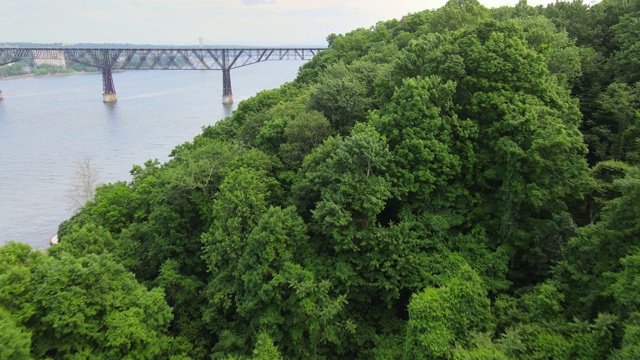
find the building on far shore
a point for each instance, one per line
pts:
(57, 59)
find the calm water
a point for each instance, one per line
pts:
(48, 125)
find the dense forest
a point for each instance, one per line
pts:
(461, 183)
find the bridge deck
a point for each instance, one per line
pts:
(108, 59)
(160, 58)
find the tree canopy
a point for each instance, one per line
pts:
(461, 183)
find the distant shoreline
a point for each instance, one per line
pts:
(26, 76)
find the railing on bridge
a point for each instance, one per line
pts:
(108, 59)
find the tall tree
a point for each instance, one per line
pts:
(85, 181)
(15, 340)
(236, 211)
(441, 317)
(93, 306)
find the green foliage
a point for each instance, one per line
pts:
(311, 176)
(456, 14)
(127, 320)
(612, 238)
(237, 209)
(265, 349)
(341, 97)
(358, 185)
(604, 186)
(303, 133)
(630, 348)
(625, 35)
(15, 341)
(538, 305)
(19, 68)
(520, 155)
(200, 170)
(579, 20)
(114, 206)
(46, 69)
(431, 147)
(272, 132)
(371, 208)
(563, 58)
(615, 134)
(441, 317)
(184, 293)
(17, 280)
(484, 350)
(29, 68)
(74, 307)
(352, 45)
(626, 289)
(82, 241)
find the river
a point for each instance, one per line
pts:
(49, 125)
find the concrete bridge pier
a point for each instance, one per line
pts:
(109, 90)
(227, 94)
(1, 97)
(109, 98)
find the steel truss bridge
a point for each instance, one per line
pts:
(109, 59)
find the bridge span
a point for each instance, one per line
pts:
(160, 58)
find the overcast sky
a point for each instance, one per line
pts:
(183, 22)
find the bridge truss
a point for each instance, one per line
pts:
(109, 59)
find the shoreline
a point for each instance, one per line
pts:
(27, 76)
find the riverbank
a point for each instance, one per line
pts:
(156, 111)
(27, 76)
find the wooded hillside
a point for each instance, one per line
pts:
(461, 183)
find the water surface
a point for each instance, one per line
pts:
(49, 125)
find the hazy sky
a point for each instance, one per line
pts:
(182, 22)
